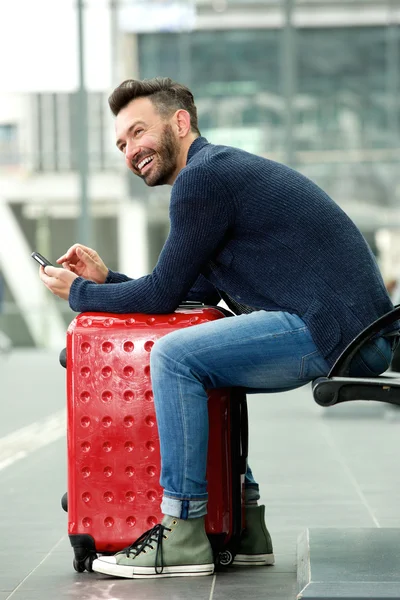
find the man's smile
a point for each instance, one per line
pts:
(143, 163)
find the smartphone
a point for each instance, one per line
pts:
(41, 259)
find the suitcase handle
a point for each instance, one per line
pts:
(244, 432)
(189, 303)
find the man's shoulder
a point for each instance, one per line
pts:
(212, 158)
(198, 168)
(195, 175)
(212, 151)
(201, 175)
(221, 167)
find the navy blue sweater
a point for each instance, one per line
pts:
(263, 234)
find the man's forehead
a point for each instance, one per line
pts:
(140, 109)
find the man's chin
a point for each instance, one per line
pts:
(148, 180)
(152, 182)
(161, 179)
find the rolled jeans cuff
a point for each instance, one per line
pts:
(183, 509)
(251, 494)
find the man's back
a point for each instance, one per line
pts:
(288, 246)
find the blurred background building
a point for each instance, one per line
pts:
(312, 83)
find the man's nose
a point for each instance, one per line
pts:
(132, 150)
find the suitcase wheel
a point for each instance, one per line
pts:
(89, 563)
(64, 502)
(84, 565)
(79, 566)
(63, 358)
(225, 558)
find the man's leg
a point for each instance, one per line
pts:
(255, 547)
(263, 351)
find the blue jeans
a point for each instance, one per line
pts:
(262, 352)
(373, 358)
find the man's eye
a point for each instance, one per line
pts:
(122, 147)
(138, 131)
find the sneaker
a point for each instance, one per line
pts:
(174, 548)
(256, 546)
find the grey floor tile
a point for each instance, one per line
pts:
(389, 522)
(33, 401)
(260, 583)
(9, 582)
(286, 548)
(284, 563)
(285, 542)
(383, 513)
(56, 578)
(13, 572)
(96, 587)
(359, 410)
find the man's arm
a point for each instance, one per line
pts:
(115, 277)
(203, 291)
(200, 217)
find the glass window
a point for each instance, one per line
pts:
(343, 74)
(214, 63)
(346, 84)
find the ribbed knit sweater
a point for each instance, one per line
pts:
(265, 235)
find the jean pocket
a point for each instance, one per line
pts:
(373, 359)
(313, 365)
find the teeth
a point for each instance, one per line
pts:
(145, 161)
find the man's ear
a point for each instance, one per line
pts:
(182, 121)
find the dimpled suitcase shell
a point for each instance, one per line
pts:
(113, 446)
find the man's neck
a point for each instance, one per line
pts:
(182, 158)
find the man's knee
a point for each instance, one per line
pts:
(165, 348)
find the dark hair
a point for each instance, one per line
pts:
(167, 96)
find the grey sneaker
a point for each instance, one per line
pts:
(256, 546)
(176, 548)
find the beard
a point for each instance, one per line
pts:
(165, 159)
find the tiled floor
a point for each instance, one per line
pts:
(332, 468)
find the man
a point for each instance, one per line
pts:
(278, 250)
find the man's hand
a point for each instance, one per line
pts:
(84, 262)
(58, 281)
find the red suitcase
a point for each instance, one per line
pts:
(113, 446)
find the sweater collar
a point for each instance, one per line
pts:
(196, 145)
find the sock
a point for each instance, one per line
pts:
(251, 503)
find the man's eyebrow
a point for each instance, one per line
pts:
(119, 141)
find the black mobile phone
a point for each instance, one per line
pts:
(41, 259)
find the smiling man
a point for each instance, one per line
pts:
(150, 146)
(287, 260)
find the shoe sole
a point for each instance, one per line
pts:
(253, 560)
(115, 570)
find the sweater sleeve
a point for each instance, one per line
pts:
(114, 277)
(199, 221)
(203, 291)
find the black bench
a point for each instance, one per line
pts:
(337, 387)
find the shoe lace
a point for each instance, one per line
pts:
(152, 536)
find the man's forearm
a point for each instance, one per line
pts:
(115, 277)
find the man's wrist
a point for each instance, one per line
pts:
(108, 276)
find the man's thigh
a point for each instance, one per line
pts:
(262, 350)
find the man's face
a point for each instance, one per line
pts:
(148, 141)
